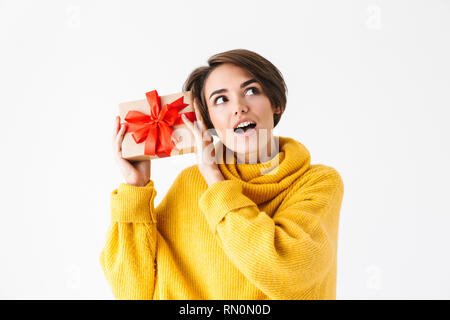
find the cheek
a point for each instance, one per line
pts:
(219, 118)
(219, 123)
(263, 110)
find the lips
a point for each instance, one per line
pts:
(243, 120)
(249, 132)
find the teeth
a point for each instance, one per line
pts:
(244, 124)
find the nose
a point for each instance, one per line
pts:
(241, 106)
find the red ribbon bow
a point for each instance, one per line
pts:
(156, 129)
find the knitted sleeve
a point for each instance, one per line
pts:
(128, 257)
(286, 253)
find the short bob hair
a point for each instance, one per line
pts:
(265, 73)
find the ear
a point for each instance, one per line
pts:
(277, 110)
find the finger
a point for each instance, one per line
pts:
(197, 110)
(203, 129)
(196, 132)
(116, 127)
(197, 124)
(119, 138)
(187, 122)
(200, 122)
(175, 139)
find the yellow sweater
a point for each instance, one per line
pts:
(252, 236)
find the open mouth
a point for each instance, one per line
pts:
(246, 129)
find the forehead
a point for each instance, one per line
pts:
(226, 76)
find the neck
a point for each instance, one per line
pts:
(266, 153)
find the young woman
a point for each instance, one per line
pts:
(253, 219)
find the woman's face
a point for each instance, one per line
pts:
(233, 95)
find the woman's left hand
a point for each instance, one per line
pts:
(204, 146)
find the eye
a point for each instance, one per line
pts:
(217, 99)
(253, 89)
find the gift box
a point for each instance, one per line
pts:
(151, 124)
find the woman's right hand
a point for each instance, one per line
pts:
(136, 173)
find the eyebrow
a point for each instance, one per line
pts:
(244, 84)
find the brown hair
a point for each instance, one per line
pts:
(267, 75)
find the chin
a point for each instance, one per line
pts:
(244, 146)
(247, 149)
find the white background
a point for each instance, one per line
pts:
(368, 95)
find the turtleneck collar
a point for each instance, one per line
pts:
(264, 181)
